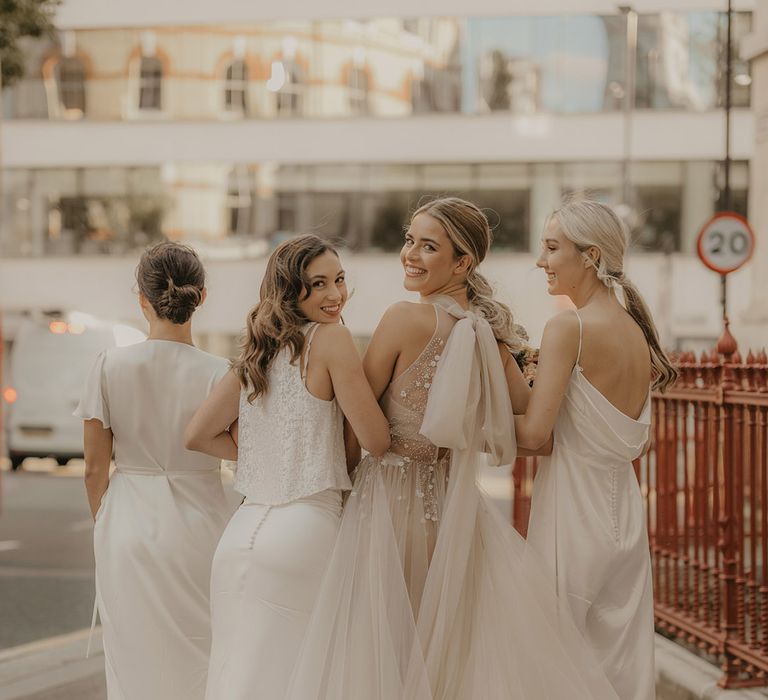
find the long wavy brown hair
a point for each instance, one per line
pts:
(276, 321)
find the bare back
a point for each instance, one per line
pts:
(615, 357)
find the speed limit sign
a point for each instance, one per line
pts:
(726, 242)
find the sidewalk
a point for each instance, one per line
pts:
(54, 669)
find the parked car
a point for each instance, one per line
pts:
(48, 364)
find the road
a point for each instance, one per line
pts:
(46, 555)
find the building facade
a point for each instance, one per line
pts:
(232, 129)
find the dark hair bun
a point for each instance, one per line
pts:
(177, 304)
(172, 278)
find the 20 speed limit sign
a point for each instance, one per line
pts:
(726, 242)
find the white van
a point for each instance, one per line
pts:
(49, 362)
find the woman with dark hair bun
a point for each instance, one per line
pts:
(159, 516)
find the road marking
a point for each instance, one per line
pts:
(30, 572)
(8, 545)
(47, 643)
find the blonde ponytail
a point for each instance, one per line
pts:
(498, 315)
(588, 224)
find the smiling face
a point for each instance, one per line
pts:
(328, 293)
(429, 259)
(567, 268)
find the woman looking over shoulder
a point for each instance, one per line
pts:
(298, 376)
(596, 366)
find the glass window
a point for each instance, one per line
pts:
(677, 60)
(240, 202)
(741, 75)
(659, 209)
(287, 211)
(358, 91)
(150, 83)
(236, 87)
(553, 64)
(331, 214)
(508, 213)
(739, 184)
(290, 97)
(71, 80)
(391, 214)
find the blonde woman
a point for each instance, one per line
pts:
(428, 594)
(596, 367)
(298, 376)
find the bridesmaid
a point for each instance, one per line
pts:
(298, 376)
(596, 365)
(160, 515)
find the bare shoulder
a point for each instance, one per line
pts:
(333, 344)
(562, 332)
(565, 323)
(332, 337)
(413, 314)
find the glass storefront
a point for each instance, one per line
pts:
(87, 211)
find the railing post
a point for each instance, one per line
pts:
(727, 542)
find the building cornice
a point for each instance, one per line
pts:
(83, 14)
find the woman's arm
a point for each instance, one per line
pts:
(336, 349)
(351, 447)
(519, 391)
(208, 431)
(557, 357)
(520, 395)
(97, 443)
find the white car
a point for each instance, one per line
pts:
(49, 362)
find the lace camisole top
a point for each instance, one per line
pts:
(291, 443)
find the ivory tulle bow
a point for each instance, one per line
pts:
(469, 405)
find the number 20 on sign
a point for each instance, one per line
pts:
(726, 242)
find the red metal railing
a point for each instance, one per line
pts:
(705, 484)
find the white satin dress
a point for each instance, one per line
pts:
(159, 521)
(587, 523)
(272, 556)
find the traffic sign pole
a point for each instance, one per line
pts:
(725, 244)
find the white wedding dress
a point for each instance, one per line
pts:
(159, 520)
(588, 523)
(430, 594)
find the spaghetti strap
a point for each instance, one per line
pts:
(578, 354)
(310, 335)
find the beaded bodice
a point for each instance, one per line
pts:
(404, 403)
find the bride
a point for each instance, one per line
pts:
(430, 594)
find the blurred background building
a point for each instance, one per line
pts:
(229, 128)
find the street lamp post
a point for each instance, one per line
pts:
(630, 73)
